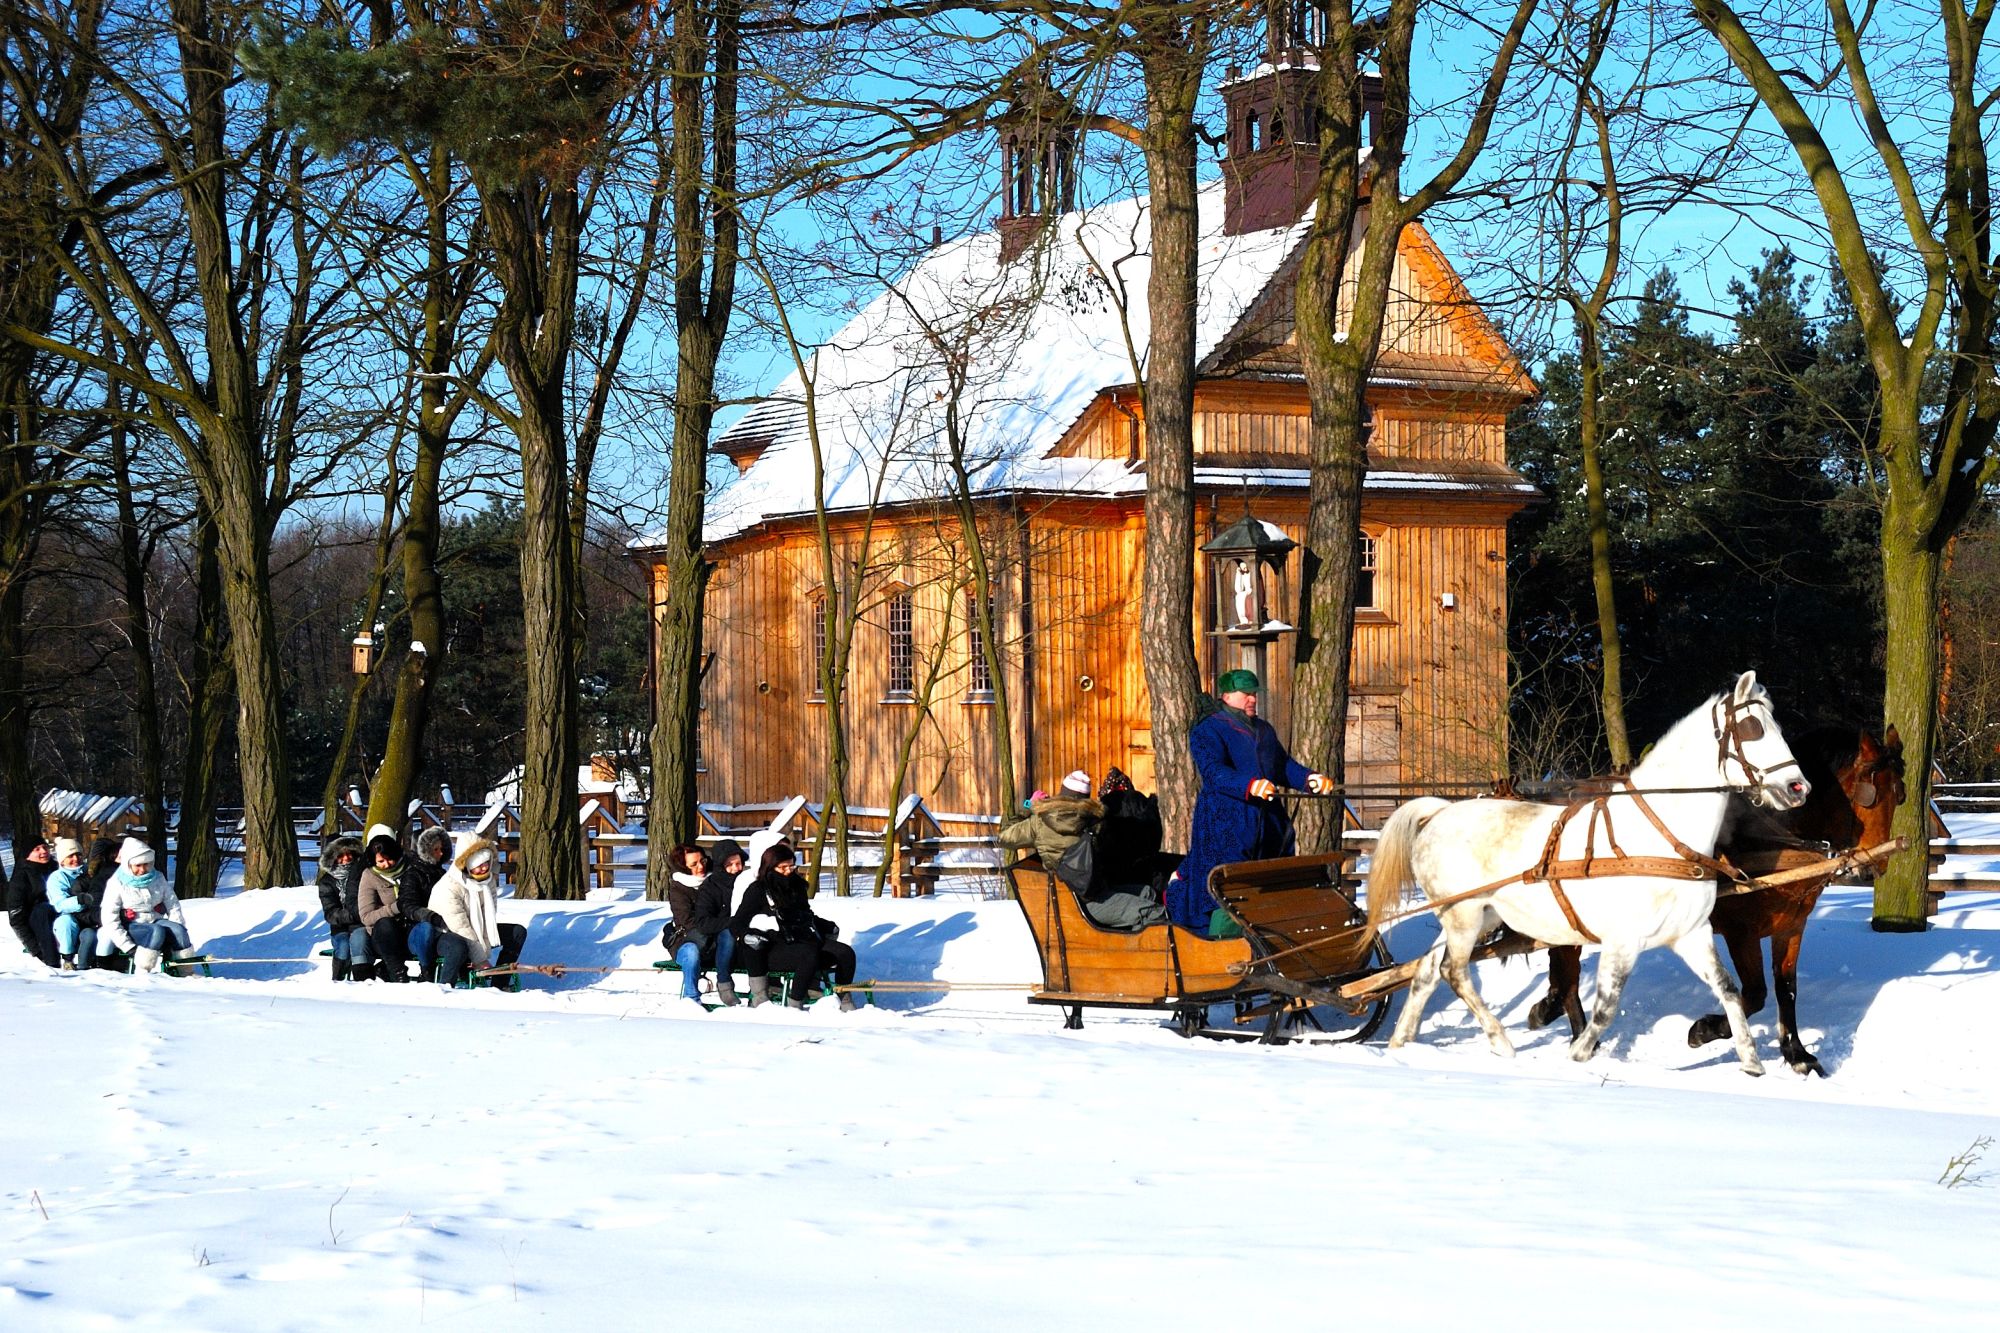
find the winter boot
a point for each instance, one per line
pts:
(760, 990)
(340, 969)
(847, 1005)
(428, 972)
(725, 992)
(69, 962)
(145, 960)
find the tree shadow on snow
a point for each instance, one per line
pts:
(908, 953)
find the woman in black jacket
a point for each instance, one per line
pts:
(339, 883)
(700, 934)
(776, 929)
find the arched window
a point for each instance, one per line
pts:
(1250, 133)
(1277, 127)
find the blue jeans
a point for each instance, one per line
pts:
(689, 958)
(162, 936)
(424, 946)
(75, 937)
(352, 946)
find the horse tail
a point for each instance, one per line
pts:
(1389, 863)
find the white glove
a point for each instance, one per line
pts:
(1319, 784)
(1263, 789)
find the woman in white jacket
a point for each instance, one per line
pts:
(140, 912)
(473, 934)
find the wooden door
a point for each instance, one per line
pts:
(1374, 753)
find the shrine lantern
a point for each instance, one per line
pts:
(1248, 560)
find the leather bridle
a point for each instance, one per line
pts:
(1736, 726)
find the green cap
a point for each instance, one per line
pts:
(1239, 679)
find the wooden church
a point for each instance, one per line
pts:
(983, 410)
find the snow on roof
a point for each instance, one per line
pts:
(1006, 356)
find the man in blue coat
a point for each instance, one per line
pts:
(1236, 814)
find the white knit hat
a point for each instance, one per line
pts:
(379, 831)
(132, 853)
(1077, 782)
(66, 848)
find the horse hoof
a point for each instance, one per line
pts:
(1754, 1068)
(1580, 1053)
(1808, 1065)
(1705, 1030)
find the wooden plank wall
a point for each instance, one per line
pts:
(763, 732)
(1267, 425)
(763, 736)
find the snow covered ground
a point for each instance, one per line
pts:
(269, 1150)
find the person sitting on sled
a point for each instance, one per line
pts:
(1236, 814)
(140, 914)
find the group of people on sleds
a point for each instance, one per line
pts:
(387, 909)
(111, 908)
(750, 911)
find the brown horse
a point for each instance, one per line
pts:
(1857, 783)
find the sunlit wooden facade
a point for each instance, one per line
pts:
(1429, 674)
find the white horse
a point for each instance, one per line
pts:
(1482, 849)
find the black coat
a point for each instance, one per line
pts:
(702, 913)
(339, 892)
(29, 885)
(784, 898)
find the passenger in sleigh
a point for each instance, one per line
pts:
(1109, 884)
(1236, 814)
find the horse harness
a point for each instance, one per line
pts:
(1551, 869)
(1736, 726)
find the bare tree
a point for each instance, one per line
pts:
(703, 188)
(1940, 400)
(1344, 286)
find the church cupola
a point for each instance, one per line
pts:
(1037, 165)
(1271, 164)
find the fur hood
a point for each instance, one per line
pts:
(474, 848)
(1068, 815)
(345, 845)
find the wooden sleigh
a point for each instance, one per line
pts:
(1280, 979)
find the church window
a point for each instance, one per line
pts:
(816, 636)
(902, 645)
(981, 687)
(1364, 580)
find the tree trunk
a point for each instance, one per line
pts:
(139, 633)
(670, 815)
(437, 409)
(1166, 590)
(1329, 566)
(23, 803)
(395, 815)
(198, 862)
(704, 298)
(1912, 572)
(270, 847)
(551, 844)
(232, 468)
(1590, 433)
